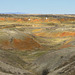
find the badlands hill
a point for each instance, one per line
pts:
(37, 44)
(17, 40)
(60, 62)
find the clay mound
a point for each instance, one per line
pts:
(61, 62)
(63, 34)
(14, 39)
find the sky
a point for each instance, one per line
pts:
(38, 6)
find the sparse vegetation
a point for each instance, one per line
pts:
(27, 39)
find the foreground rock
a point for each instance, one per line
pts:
(6, 68)
(12, 59)
(61, 62)
(11, 64)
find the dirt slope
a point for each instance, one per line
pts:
(14, 39)
(11, 64)
(60, 62)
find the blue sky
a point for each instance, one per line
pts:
(38, 6)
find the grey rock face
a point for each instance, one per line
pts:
(61, 62)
